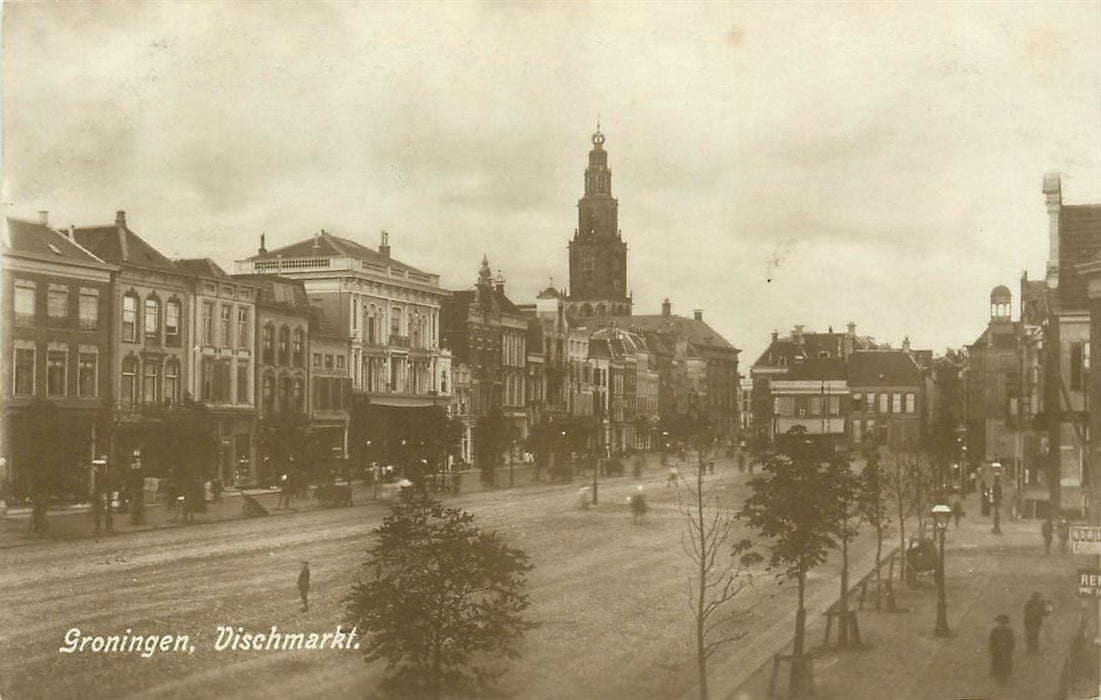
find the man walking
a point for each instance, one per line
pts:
(1001, 649)
(1036, 610)
(1047, 530)
(304, 585)
(1064, 535)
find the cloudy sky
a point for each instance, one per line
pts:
(775, 163)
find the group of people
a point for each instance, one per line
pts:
(1003, 641)
(1047, 531)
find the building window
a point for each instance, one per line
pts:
(285, 403)
(56, 365)
(835, 405)
(284, 346)
(242, 326)
(206, 379)
(221, 381)
(269, 394)
(883, 402)
(372, 332)
(1078, 362)
(317, 360)
(128, 394)
(267, 343)
(88, 309)
(896, 403)
(226, 325)
(299, 397)
(130, 318)
(87, 373)
(57, 304)
(328, 362)
(858, 401)
(152, 317)
(171, 381)
(395, 322)
(299, 350)
(242, 382)
(340, 362)
(150, 389)
(172, 322)
(208, 323)
(24, 303)
(911, 403)
(23, 383)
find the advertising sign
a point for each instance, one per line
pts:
(1085, 539)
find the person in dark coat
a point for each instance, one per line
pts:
(1047, 530)
(1036, 609)
(957, 512)
(1064, 535)
(304, 585)
(1001, 649)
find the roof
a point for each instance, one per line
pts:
(284, 292)
(118, 244)
(39, 241)
(697, 333)
(550, 293)
(1001, 292)
(327, 245)
(883, 368)
(202, 267)
(812, 346)
(817, 368)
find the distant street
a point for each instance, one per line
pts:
(610, 597)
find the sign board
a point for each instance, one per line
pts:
(1089, 583)
(1085, 539)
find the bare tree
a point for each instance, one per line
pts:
(717, 577)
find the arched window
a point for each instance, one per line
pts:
(372, 325)
(299, 353)
(267, 345)
(171, 380)
(269, 394)
(152, 317)
(172, 322)
(285, 396)
(130, 317)
(395, 323)
(415, 329)
(284, 345)
(586, 310)
(299, 400)
(150, 383)
(128, 393)
(355, 313)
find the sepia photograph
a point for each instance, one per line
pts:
(331, 365)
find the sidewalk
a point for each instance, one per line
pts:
(985, 575)
(77, 522)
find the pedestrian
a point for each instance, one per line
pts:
(216, 490)
(638, 506)
(1047, 530)
(1064, 535)
(1001, 649)
(376, 479)
(304, 585)
(957, 512)
(674, 477)
(1036, 610)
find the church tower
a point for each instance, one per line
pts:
(598, 255)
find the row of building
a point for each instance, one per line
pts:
(1027, 381)
(343, 335)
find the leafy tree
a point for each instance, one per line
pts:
(492, 436)
(716, 576)
(443, 595)
(284, 442)
(794, 506)
(848, 488)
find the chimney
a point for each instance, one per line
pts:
(120, 223)
(384, 246)
(1053, 195)
(797, 335)
(500, 281)
(906, 343)
(317, 241)
(120, 218)
(666, 308)
(263, 248)
(43, 217)
(852, 329)
(697, 314)
(775, 336)
(72, 233)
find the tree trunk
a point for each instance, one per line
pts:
(843, 603)
(796, 679)
(701, 534)
(901, 525)
(878, 559)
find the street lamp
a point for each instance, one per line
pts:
(996, 467)
(941, 515)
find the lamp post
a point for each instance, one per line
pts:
(996, 467)
(941, 515)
